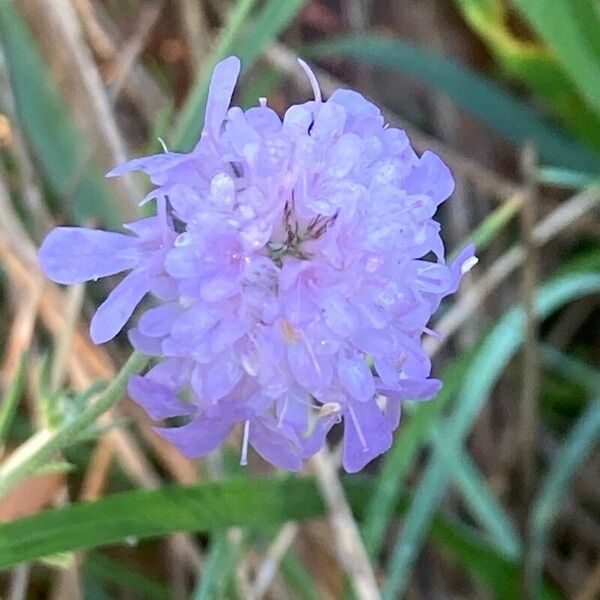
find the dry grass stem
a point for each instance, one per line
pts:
(350, 549)
(556, 222)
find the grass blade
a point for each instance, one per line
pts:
(572, 30)
(45, 120)
(247, 43)
(400, 459)
(219, 567)
(483, 503)
(491, 360)
(11, 400)
(478, 95)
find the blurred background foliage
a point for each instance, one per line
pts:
(492, 489)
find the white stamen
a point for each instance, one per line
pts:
(313, 80)
(262, 101)
(432, 333)
(163, 144)
(468, 264)
(244, 456)
(361, 435)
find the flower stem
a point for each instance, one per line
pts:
(40, 448)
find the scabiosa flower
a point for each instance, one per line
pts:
(286, 264)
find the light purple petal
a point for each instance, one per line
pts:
(75, 254)
(355, 376)
(222, 84)
(199, 437)
(157, 321)
(115, 311)
(366, 434)
(276, 445)
(159, 401)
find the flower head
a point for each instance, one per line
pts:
(286, 263)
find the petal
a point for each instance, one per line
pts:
(150, 164)
(366, 434)
(114, 312)
(432, 177)
(199, 437)
(355, 376)
(275, 445)
(222, 84)
(146, 345)
(157, 321)
(316, 440)
(74, 254)
(340, 316)
(221, 378)
(159, 401)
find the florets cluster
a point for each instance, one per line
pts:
(286, 264)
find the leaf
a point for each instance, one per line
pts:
(219, 567)
(478, 95)
(11, 400)
(483, 503)
(532, 63)
(57, 144)
(486, 368)
(572, 30)
(576, 449)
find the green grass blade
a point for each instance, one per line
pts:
(11, 400)
(219, 568)
(491, 360)
(484, 505)
(580, 441)
(572, 30)
(56, 143)
(297, 577)
(247, 42)
(485, 564)
(417, 423)
(189, 121)
(478, 95)
(530, 62)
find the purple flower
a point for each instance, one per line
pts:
(286, 263)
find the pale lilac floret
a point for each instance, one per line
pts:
(289, 263)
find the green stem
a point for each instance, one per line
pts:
(40, 448)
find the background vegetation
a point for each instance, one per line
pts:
(492, 489)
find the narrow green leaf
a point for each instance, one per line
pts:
(533, 64)
(566, 178)
(11, 400)
(214, 507)
(483, 563)
(572, 30)
(219, 568)
(491, 360)
(576, 449)
(190, 119)
(57, 144)
(481, 97)
(245, 41)
(297, 577)
(484, 505)
(417, 423)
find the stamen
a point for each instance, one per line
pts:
(468, 264)
(361, 435)
(313, 81)
(163, 144)
(244, 456)
(434, 334)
